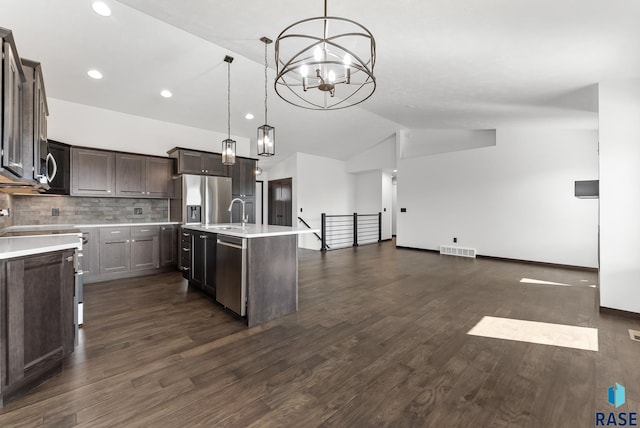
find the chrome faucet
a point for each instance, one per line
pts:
(245, 219)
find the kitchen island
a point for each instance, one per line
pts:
(250, 270)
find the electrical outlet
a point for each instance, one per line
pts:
(4, 212)
(300, 209)
(137, 211)
(55, 212)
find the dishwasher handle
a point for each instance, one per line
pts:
(229, 244)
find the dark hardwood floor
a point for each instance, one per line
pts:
(379, 340)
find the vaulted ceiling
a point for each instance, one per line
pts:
(463, 64)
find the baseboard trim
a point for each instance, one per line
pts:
(619, 312)
(130, 274)
(505, 259)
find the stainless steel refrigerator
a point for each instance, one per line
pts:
(200, 199)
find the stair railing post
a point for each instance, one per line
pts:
(323, 231)
(355, 229)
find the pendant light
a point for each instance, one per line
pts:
(228, 145)
(266, 133)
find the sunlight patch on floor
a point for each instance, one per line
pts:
(539, 281)
(566, 336)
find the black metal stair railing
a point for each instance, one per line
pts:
(300, 219)
(350, 230)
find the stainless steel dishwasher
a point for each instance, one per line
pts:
(231, 273)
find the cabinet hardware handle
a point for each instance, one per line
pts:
(144, 230)
(133, 240)
(185, 268)
(108, 191)
(69, 259)
(117, 231)
(203, 236)
(185, 234)
(185, 249)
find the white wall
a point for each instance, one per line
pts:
(426, 142)
(83, 125)
(619, 195)
(381, 156)
(323, 187)
(512, 200)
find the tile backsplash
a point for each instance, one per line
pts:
(5, 202)
(29, 210)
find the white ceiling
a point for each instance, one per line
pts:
(463, 64)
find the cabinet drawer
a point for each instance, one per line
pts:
(144, 231)
(114, 233)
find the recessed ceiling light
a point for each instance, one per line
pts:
(395, 170)
(248, 116)
(101, 8)
(94, 74)
(166, 93)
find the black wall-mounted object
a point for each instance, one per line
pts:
(587, 189)
(403, 210)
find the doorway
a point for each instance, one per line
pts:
(280, 201)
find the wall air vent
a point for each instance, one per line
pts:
(450, 250)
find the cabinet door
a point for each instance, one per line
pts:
(12, 120)
(114, 250)
(243, 178)
(131, 175)
(92, 172)
(90, 253)
(189, 163)
(198, 250)
(159, 171)
(144, 253)
(212, 164)
(209, 284)
(168, 245)
(39, 300)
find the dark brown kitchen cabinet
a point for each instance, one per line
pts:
(168, 245)
(185, 253)
(34, 117)
(90, 262)
(196, 162)
(144, 247)
(131, 175)
(203, 271)
(115, 250)
(13, 78)
(243, 178)
(158, 177)
(36, 315)
(139, 176)
(92, 172)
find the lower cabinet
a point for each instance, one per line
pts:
(168, 245)
(36, 315)
(202, 273)
(114, 252)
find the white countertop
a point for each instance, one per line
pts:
(77, 226)
(250, 230)
(18, 246)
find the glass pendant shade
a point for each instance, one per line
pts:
(228, 152)
(228, 145)
(266, 140)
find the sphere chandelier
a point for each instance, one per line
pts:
(325, 63)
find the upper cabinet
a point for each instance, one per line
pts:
(195, 162)
(243, 177)
(104, 173)
(34, 117)
(92, 172)
(12, 79)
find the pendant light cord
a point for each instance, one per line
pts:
(266, 64)
(229, 100)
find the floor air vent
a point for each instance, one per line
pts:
(634, 335)
(458, 251)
